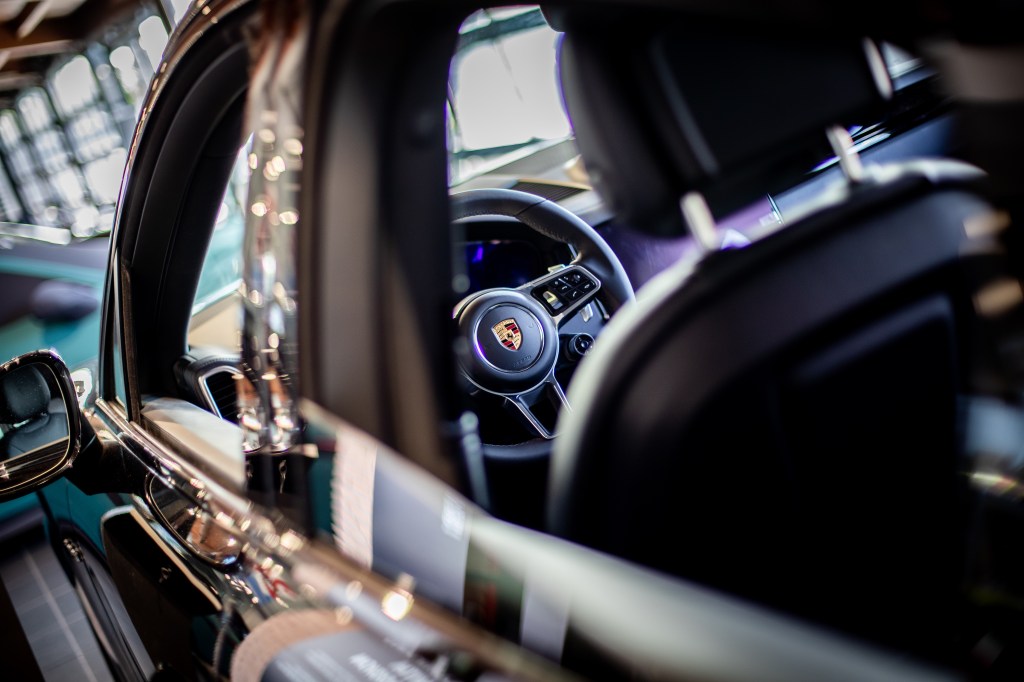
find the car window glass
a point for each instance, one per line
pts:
(504, 97)
(216, 315)
(116, 360)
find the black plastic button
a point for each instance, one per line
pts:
(579, 346)
(552, 300)
(582, 343)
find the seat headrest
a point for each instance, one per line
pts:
(23, 394)
(664, 106)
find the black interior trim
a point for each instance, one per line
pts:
(377, 156)
(185, 176)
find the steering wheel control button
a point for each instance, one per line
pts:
(509, 338)
(578, 346)
(551, 299)
(564, 290)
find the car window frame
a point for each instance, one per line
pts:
(124, 351)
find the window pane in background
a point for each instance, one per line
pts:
(65, 143)
(74, 86)
(34, 110)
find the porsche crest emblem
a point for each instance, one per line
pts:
(507, 331)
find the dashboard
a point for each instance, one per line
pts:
(502, 263)
(497, 252)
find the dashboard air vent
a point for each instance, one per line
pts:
(220, 387)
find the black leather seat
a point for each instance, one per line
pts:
(32, 418)
(780, 421)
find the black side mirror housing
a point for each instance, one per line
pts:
(40, 422)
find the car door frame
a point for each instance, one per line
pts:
(165, 209)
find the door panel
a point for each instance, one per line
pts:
(154, 605)
(167, 597)
(106, 611)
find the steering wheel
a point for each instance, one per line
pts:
(512, 347)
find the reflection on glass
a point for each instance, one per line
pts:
(32, 414)
(194, 525)
(222, 265)
(269, 342)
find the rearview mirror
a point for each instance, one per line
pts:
(39, 422)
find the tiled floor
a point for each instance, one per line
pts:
(48, 608)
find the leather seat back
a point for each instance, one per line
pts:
(782, 421)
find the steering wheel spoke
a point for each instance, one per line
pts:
(550, 390)
(564, 292)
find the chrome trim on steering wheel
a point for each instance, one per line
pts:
(519, 402)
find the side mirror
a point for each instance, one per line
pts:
(40, 422)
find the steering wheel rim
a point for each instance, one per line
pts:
(518, 363)
(553, 221)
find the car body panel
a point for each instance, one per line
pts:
(77, 340)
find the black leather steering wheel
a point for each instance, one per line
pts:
(512, 339)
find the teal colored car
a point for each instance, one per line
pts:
(52, 290)
(51, 294)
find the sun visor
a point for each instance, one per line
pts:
(668, 107)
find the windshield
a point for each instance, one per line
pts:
(503, 98)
